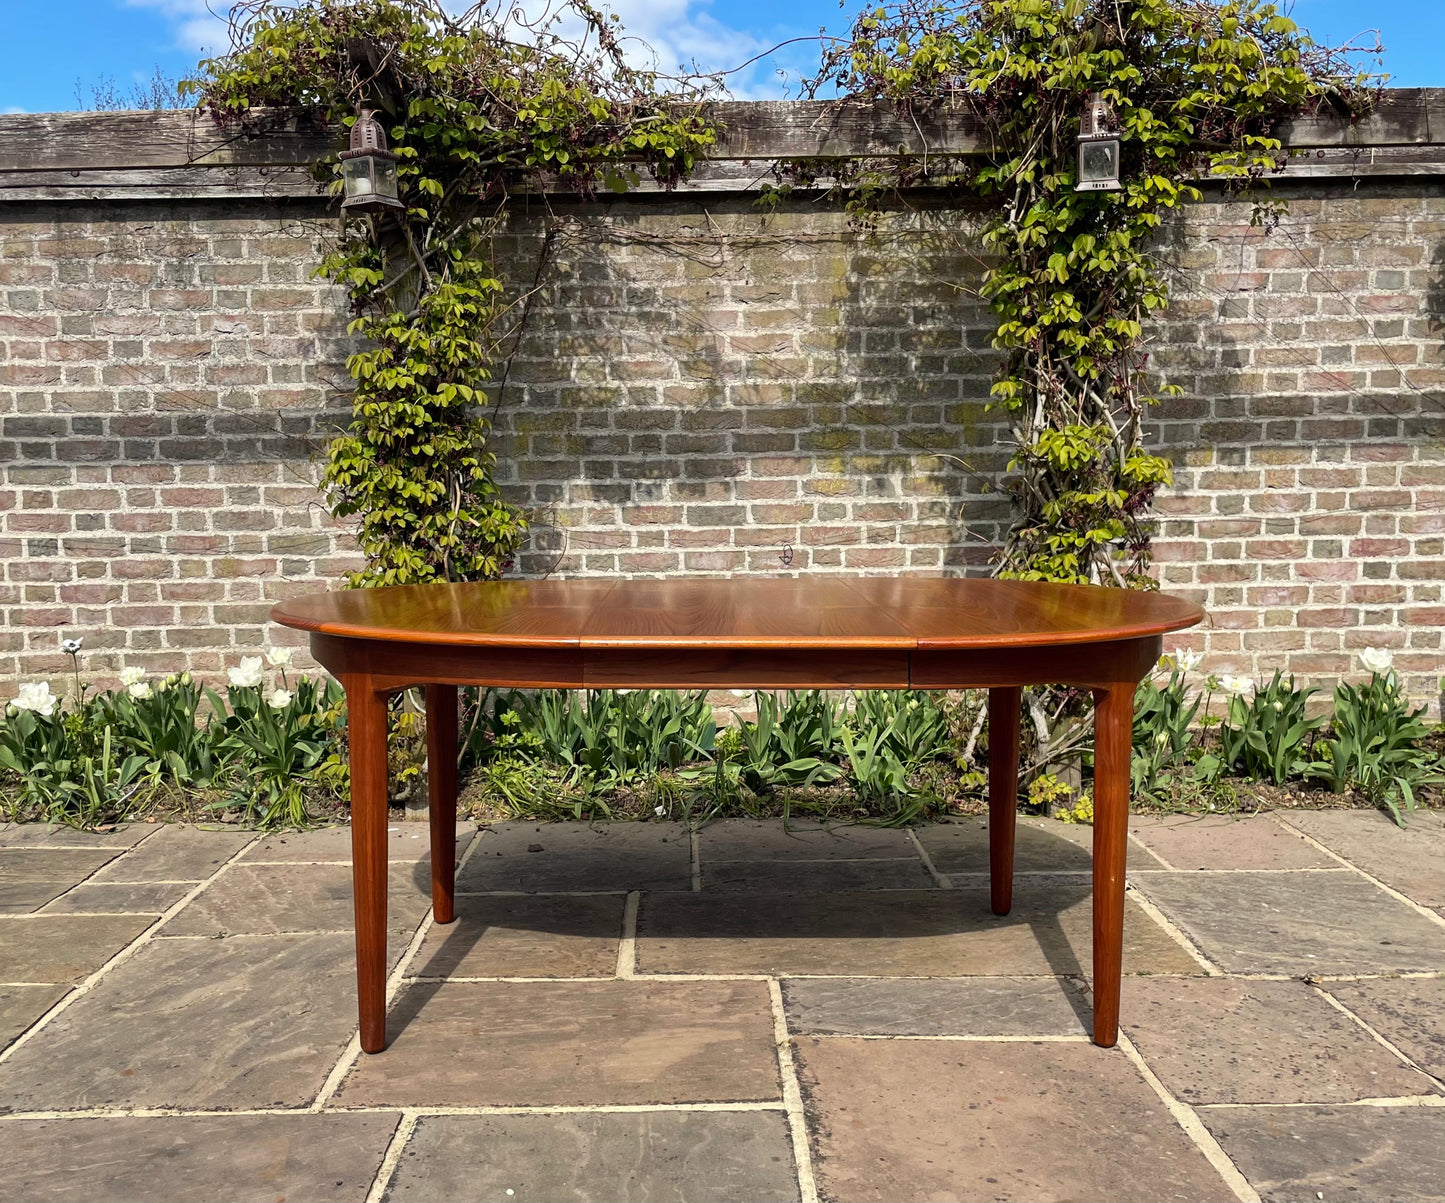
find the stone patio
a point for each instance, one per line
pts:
(745, 1013)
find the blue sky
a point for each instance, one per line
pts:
(50, 45)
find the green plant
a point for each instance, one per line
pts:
(162, 724)
(918, 729)
(1265, 735)
(787, 742)
(1199, 90)
(67, 764)
(283, 743)
(1374, 745)
(878, 777)
(1162, 740)
(474, 112)
(603, 739)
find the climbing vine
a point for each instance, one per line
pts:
(1199, 90)
(477, 105)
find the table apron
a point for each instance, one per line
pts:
(390, 666)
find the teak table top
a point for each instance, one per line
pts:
(752, 612)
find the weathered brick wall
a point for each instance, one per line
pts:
(702, 389)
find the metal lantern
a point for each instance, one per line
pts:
(368, 169)
(1098, 148)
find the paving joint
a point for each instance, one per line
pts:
(1175, 932)
(1185, 1116)
(941, 880)
(1378, 1037)
(627, 945)
(1434, 917)
(792, 1096)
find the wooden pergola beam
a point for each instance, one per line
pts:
(184, 153)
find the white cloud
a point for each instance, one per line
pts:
(666, 35)
(200, 25)
(14, 108)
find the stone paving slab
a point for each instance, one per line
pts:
(1226, 842)
(250, 1021)
(193, 1158)
(271, 899)
(404, 842)
(1040, 846)
(768, 839)
(26, 897)
(177, 853)
(813, 877)
(40, 835)
(648, 1157)
(120, 898)
(525, 936)
(891, 933)
(567, 857)
(1297, 922)
(984, 1006)
(32, 864)
(1336, 1154)
(1408, 1012)
(1410, 859)
(63, 948)
(1218, 1040)
(572, 1043)
(30, 877)
(20, 1006)
(916, 1119)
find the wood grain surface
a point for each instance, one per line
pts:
(842, 613)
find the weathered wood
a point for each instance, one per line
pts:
(180, 154)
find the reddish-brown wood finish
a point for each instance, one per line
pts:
(1003, 793)
(760, 632)
(441, 785)
(366, 734)
(1113, 742)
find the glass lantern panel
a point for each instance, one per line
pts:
(1098, 162)
(357, 173)
(386, 177)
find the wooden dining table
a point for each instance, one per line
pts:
(832, 632)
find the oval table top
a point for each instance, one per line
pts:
(748, 612)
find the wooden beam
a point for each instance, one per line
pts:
(183, 153)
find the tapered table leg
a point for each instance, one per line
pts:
(1003, 790)
(366, 734)
(441, 773)
(1113, 739)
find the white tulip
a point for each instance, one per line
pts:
(71, 646)
(279, 657)
(278, 699)
(1236, 687)
(1377, 660)
(132, 676)
(139, 690)
(36, 696)
(249, 675)
(1188, 659)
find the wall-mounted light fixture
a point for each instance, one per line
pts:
(1098, 148)
(368, 169)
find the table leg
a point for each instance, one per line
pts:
(441, 773)
(1003, 790)
(366, 734)
(1113, 742)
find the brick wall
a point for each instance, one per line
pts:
(702, 389)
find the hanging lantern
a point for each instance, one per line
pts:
(368, 169)
(1098, 148)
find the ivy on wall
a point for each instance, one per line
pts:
(478, 108)
(476, 105)
(1199, 90)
